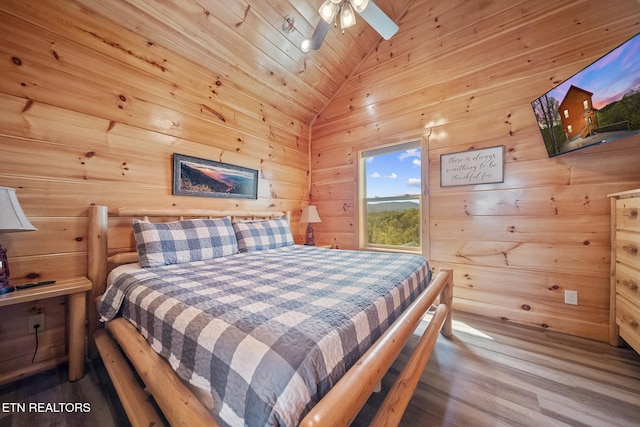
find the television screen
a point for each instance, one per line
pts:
(596, 105)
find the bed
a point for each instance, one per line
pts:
(249, 328)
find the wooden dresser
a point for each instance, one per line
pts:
(625, 268)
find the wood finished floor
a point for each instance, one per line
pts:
(489, 374)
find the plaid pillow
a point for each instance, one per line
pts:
(183, 241)
(265, 234)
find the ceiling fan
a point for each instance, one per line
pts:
(332, 10)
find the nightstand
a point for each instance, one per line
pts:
(75, 289)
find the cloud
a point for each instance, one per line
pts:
(375, 175)
(392, 176)
(417, 162)
(414, 182)
(414, 152)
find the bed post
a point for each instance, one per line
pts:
(97, 268)
(446, 297)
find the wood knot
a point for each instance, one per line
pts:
(526, 307)
(16, 60)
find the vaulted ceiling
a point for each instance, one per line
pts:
(245, 39)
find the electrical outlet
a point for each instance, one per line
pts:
(36, 319)
(571, 297)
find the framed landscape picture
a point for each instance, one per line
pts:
(193, 176)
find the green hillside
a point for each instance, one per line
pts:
(397, 228)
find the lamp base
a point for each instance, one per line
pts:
(310, 241)
(4, 272)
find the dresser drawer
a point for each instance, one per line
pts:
(627, 245)
(628, 282)
(628, 214)
(628, 319)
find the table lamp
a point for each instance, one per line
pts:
(309, 216)
(12, 219)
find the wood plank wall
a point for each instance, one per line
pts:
(91, 114)
(461, 75)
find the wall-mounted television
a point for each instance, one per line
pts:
(596, 105)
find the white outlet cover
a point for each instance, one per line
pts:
(571, 297)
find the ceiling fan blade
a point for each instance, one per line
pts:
(319, 34)
(379, 21)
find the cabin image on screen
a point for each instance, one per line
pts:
(577, 113)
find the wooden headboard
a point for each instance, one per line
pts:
(111, 241)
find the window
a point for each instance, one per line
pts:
(569, 129)
(390, 197)
(566, 114)
(585, 104)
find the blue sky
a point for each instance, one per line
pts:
(394, 174)
(610, 77)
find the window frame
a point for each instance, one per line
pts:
(363, 154)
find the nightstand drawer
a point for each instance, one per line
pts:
(627, 246)
(628, 282)
(628, 214)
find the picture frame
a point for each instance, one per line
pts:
(482, 166)
(193, 176)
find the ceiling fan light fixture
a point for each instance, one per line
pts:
(328, 11)
(359, 5)
(347, 16)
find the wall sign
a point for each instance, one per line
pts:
(482, 166)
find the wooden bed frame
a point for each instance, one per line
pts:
(120, 345)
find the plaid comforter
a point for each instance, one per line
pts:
(268, 332)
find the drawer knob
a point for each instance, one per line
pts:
(633, 214)
(630, 284)
(630, 249)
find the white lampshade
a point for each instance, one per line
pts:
(328, 11)
(347, 16)
(359, 5)
(12, 218)
(309, 215)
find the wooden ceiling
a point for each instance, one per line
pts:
(243, 41)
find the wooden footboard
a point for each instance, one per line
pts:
(343, 402)
(339, 407)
